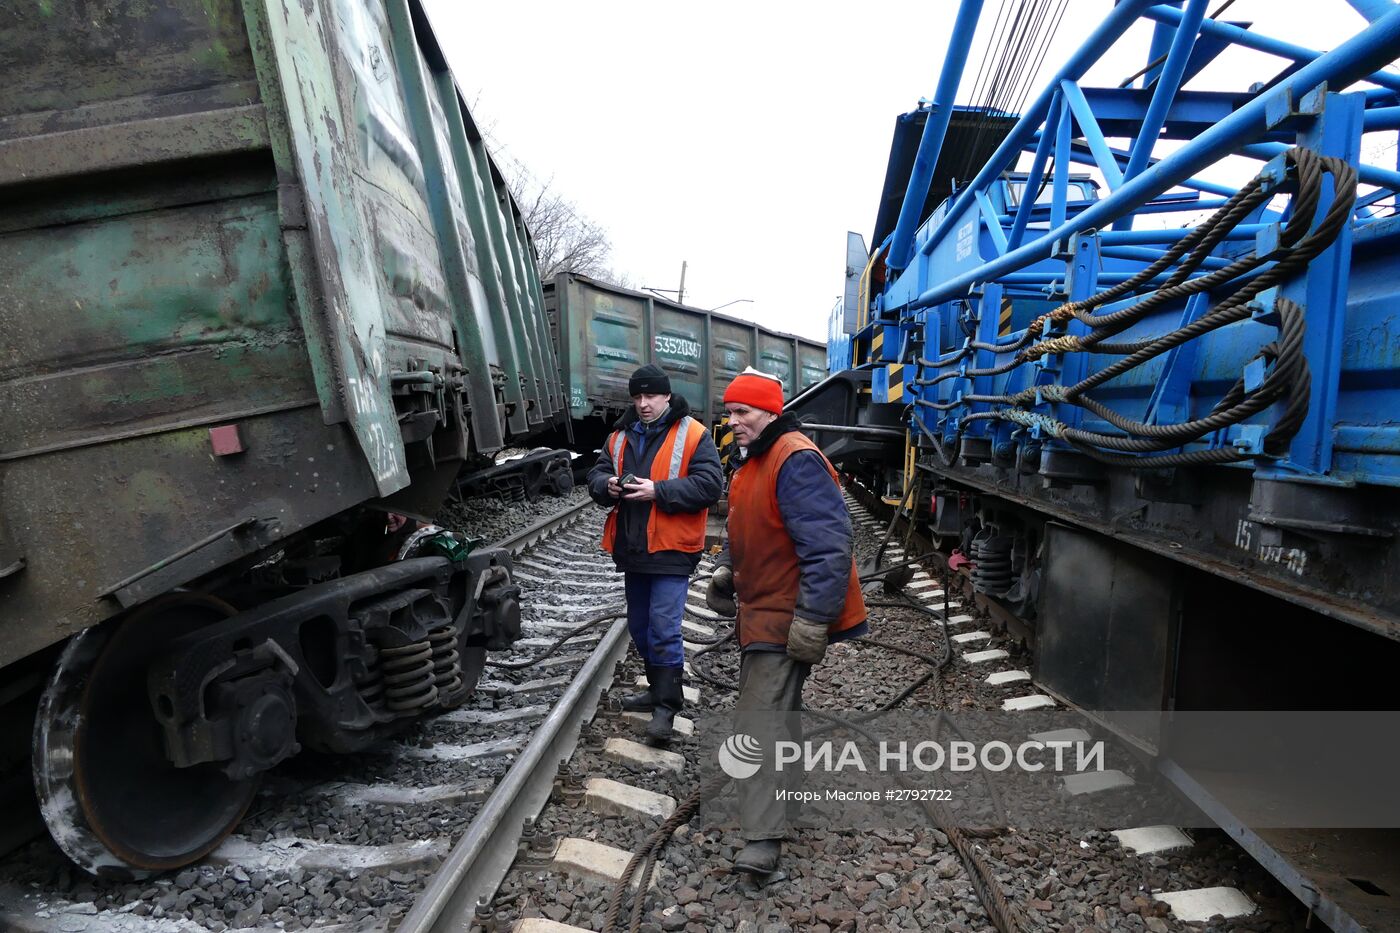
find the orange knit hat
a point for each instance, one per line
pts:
(757, 389)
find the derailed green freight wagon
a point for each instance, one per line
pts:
(258, 277)
(603, 333)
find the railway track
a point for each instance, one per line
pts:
(548, 809)
(909, 877)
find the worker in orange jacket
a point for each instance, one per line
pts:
(790, 562)
(656, 529)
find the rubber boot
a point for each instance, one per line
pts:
(666, 686)
(759, 857)
(644, 701)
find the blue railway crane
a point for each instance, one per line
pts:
(1157, 414)
(972, 253)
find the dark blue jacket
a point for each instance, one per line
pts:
(699, 489)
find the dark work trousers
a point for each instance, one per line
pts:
(769, 709)
(655, 610)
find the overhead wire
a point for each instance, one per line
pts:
(1160, 59)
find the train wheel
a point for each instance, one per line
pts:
(112, 800)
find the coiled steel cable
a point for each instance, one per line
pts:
(1294, 237)
(1288, 375)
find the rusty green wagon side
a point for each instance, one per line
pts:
(257, 272)
(604, 332)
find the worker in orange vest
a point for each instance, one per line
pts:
(656, 529)
(790, 562)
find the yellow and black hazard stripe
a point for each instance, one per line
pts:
(907, 476)
(1004, 320)
(724, 440)
(877, 343)
(894, 373)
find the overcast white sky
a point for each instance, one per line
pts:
(747, 138)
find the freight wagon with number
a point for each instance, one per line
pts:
(602, 333)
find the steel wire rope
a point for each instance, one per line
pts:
(1198, 242)
(1309, 169)
(1043, 38)
(1288, 375)
(1018, 81)
(1008, 76)
(1010, 80)
(957, 155)
(1234, 307)
(1006, 65)
(1013, 63)
(1236, 404)
(1040, 60)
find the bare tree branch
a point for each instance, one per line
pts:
(565, 239)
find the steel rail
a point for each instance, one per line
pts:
(477, 864)
(541, 529)
(479, 861)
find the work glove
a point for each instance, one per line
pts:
(806, 640)
(719, 595)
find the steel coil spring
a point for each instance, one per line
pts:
(993, 573)
(447, 662)
(408, 676)
(370, 685)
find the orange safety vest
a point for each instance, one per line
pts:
(666, 531)
(766, 571)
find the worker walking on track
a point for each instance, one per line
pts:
(659, 473)
(790, 561)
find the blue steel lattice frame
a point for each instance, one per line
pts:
(1354, 60)
(1034, 250)
(1163, 431)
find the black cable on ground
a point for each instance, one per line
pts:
(604, 615)
(703, 670)
(982, 875)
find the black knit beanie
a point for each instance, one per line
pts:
(649, 380)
